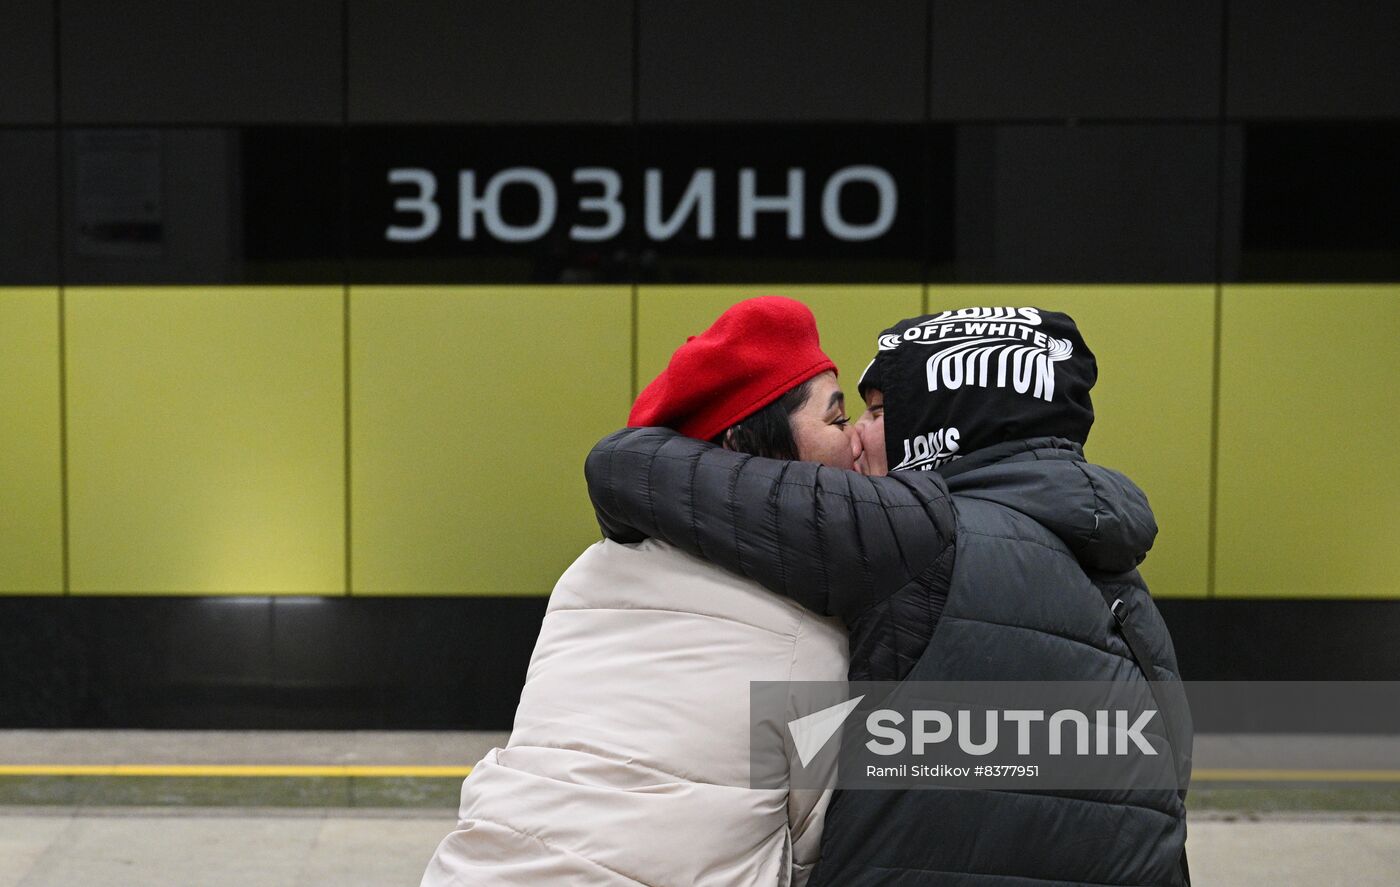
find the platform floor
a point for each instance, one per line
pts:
(141, 847)
(109, 830)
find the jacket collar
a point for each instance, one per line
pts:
(1058, 447)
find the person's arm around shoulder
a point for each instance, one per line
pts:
(835, 541)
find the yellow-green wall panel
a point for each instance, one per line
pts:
(1309, 484)
(206, 440)
(31, 485)
(849, 320)
(1152, 403)
(472, 411)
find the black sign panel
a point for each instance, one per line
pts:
(1320, 202)
(667, 203)
(781, 203)
(293, 200)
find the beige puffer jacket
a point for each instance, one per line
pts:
(629, 761)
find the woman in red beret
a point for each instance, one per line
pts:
(630, 758)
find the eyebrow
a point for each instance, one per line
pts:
(838, 398)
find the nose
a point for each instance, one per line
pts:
(857, 445)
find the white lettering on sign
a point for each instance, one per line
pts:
(608, 204)
(599, 191)
(699, 198)
(751, 204)
(831, 203)
(428, 214)
(488, 205)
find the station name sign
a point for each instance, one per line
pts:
(575, 195)
(595, 205)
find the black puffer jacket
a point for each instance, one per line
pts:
(875, 552)
(996, 573)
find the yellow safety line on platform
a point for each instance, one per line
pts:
(313, 770)
(370, 770)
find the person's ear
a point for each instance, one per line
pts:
(728, 442)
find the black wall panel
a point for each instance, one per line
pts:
(786, 60)
(459, 663)
(1320, 202)
(27, 61)
(203, 205)
(1231, 199)
(202, 61)
(28, 206)
(531, 60)
(259, 662)
(1008, 59)
(1102, 203)
(1297, 59)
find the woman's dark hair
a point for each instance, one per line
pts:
(768, 432)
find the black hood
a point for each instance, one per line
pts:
(1102, 517)
(958, 381)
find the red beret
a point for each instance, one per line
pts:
(757, 351)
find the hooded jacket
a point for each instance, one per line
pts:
(994, 567)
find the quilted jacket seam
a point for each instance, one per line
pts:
(1041, 631)
(867, 576)
(732, 504)
(776, 527)
(692, 510)
(818, 522)
(1023, 539)
(924, 580)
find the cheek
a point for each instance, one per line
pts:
(828, 444)
(842, 449)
